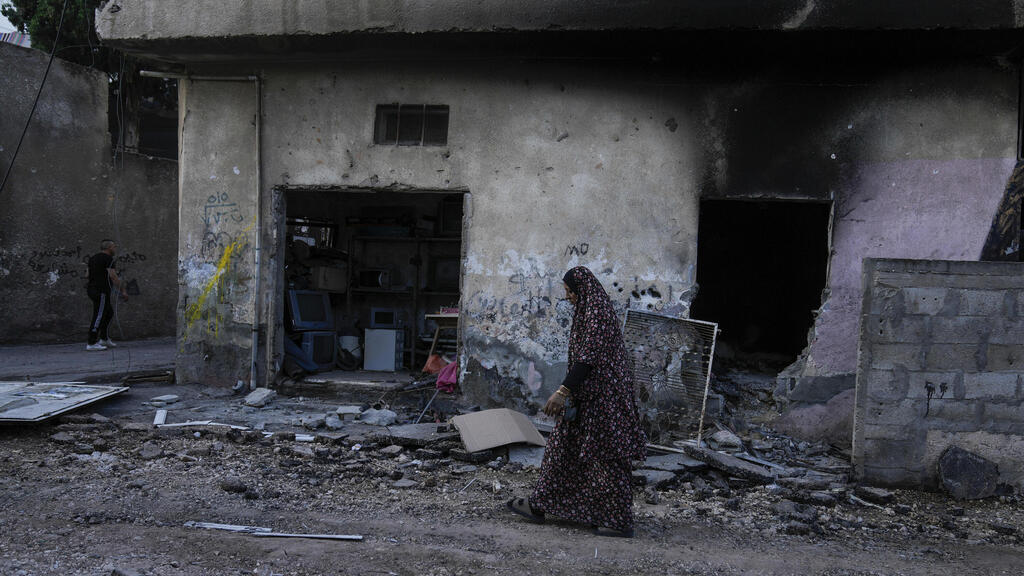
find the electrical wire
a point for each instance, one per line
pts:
(28, 121)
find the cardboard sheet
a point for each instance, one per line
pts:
(493, 428)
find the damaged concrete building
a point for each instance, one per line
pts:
(457, 154)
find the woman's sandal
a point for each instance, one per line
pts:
(612, 533)
(522, 507)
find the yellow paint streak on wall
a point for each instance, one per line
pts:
(195, 310)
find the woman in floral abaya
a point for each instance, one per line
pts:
(586, 473)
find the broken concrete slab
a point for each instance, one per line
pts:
(416, 435)
(674, 463)
(831, 421)
(259, 397)
(729, 464)
(333, 422)
(405, 483)
(967, 476)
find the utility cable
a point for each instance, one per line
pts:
(53, 52)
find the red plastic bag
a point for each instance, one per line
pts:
(434, 364)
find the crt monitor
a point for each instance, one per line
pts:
(310, 310)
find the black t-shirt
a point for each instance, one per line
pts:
(98, 266)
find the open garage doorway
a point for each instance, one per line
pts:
(371, 281)
(761, 268)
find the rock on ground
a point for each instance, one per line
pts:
(259, 397)
(966, 475)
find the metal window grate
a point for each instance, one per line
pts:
(411, 124)
(672, 353)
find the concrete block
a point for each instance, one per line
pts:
(882, 431)
(961, 330)
(832, 421)
(888, 453)
(889, 356)
(900, 476)
(1006, 331)
(886, 385)
(942, 384)
(901, 413)
(924, 300)
(1003, 418)
(999, 385)
(1004, 357)
(950, 414)
(905, 329)
(982, 303)
(963, 357)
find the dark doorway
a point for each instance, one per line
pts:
(761, 268)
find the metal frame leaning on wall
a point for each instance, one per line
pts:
(257, 292)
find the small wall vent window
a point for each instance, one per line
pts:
(411, 125)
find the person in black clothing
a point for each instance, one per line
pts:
(102, 277)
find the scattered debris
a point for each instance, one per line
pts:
(725, 440)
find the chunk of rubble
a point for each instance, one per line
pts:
(348, 413)
(393, 450)
(526, 455)
(967, 476)
(874, 495)
(726, 441)
(259, 397)
(150, 451)
(655, 478)
(376, 417)
(165, 399)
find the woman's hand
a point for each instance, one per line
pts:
(555, 405)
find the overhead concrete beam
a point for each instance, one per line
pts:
(130, 22)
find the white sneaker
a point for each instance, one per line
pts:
(108, 343)
(96, 346)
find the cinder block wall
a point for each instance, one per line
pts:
(941, 363)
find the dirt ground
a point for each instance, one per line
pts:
(89, 496)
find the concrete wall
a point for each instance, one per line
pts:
(958, 328)
(64, 196)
